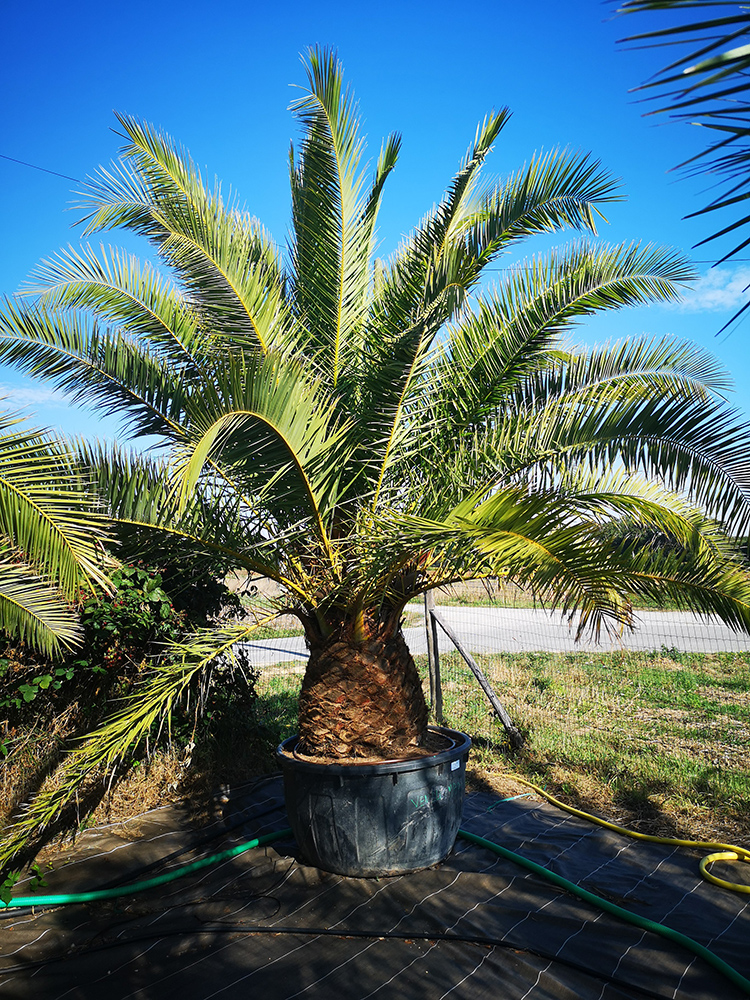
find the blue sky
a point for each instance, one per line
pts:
(219, 78)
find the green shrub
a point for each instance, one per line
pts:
(122, 634)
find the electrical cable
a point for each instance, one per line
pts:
(720, 852)
(44, 170)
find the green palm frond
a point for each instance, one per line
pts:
(136, 298)
(108, 370)
(33, 611)
(558, 544)
(557, 190)
(641, 405)
(51, 537)
(45, 510)
(219, 520)
(269, 417)
(333, 215)
(509, 335)
(434, 266)
(146, 709)
(226, 260)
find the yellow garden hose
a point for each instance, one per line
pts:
(719, 852)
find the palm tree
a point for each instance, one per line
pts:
(51, 542)
(360, 431)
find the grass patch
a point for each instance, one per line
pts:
(269, 632)
(654, 741)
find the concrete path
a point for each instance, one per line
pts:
(515, 630)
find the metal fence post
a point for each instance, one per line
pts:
(515, 738)
(433, 658)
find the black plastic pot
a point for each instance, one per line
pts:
(375, 819)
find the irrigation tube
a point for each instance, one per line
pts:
(148, 883)
(604, 904)
(720, 852)
(618, 911)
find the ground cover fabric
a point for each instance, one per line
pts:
(476, 926)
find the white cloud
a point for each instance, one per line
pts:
(21, 395)
(719, 290)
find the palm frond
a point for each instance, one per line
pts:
(33, 611)
(218, 521)
(333, 214)
(557, 190)
(45, 510)
(145, 710)
(107, 370)
(267, 416)
(433, 265)
(514, 332)
(51, 537)
(707, 86)
(224, 258)
(558, 544)
(652, 421)
(134, 298)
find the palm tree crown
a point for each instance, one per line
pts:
(360, 431)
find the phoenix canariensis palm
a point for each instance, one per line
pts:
(51, 540)
(360, 431)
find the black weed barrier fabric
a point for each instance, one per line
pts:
(476, 926)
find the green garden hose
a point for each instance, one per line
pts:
(148, 883)
(604, 904)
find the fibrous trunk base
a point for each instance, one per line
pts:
(362, 700)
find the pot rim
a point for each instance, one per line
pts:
(460, 748)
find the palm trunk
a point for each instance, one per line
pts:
(361, 699)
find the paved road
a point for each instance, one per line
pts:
(515, 630)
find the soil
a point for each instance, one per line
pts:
(434, 742)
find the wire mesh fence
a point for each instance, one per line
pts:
(526, 651)
(660, 713)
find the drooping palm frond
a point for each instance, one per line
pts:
(645, 406)
(147, 708)
(557, 543)
(107, 369)
(33, 611)
(135, 298)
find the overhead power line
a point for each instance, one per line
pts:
(34, 166)
(56, 173)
